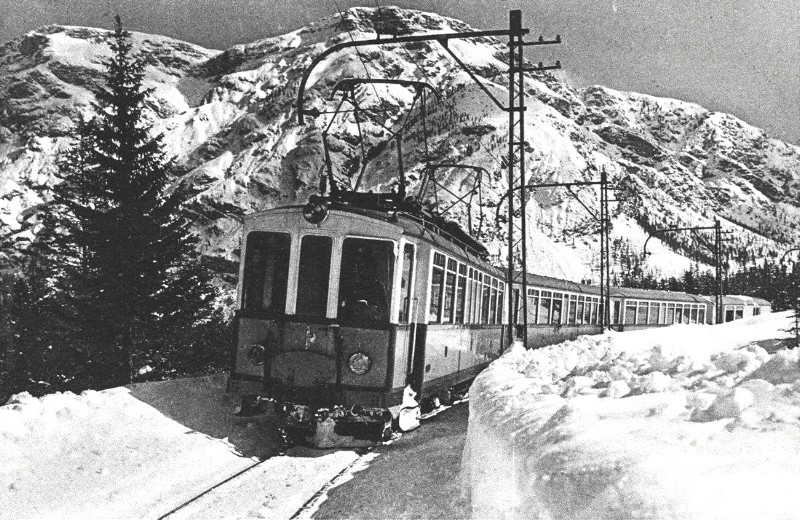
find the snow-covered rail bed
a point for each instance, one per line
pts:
(148, 451)
(684, 422)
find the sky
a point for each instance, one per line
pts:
(736, 56)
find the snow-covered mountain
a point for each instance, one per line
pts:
(229, 117)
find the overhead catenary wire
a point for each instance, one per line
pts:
(358, 52)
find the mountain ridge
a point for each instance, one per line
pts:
(228, 116)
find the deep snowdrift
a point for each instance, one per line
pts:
(110, 454)
(689, 421)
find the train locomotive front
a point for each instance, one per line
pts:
(324, 303)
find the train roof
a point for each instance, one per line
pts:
(556, 284)
(738, 299)
(656, 294)
(446, 236)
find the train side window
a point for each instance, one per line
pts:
(678, 313)
(266, 272)
(543, 311)
(437, 282)
(461, 293)
(485, 299)
(533, 305)
(579, 313)
(593, 317)
(739, 313)
(652, 318)
(573, 300)
(558, 302)
(693, 318)
(670, 314)
(469, 298)
(493, 302)
(630, 312)
(365, 287)
(313, 276)
(501, 291)
(449, 291)
(701, 314)
(686, 312)
(641, 316)
(405, 283)
(587, 310)
(478, 297)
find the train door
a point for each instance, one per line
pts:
(409, 315)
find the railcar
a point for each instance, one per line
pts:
(352, 311)
(346, 310)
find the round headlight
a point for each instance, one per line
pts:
(359, 363)
(255, 353)
(316, 210)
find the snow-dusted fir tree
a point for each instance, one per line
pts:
(120, 253)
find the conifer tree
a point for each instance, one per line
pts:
(120, 253)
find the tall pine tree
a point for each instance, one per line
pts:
(120, 253)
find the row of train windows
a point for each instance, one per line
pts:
(737, 313)
(552, 308)
(462, 294)
(547, 307)
(659, 313)
(365, 277)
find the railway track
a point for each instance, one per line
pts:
(197, 497)
(307, 510)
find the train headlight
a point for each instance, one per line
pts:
(316, 210)
(255, 353)
(359, 363)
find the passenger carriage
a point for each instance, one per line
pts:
(339, 315)
(351, 311)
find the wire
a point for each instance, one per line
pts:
(358, 52)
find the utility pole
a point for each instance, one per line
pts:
(716, 250)
(605, 225)
(516, 162)
(605, 251)
(516, 159)
(718, 262)
(516, 120)
(9, 353)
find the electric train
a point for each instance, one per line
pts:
(352, 312)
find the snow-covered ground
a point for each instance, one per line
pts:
(690, 421)
(140, 452)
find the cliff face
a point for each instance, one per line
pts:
(229, 117)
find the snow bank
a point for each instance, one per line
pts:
(689, 421)
(119, 453)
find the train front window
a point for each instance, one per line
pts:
(313, 277)
(365, 286)
(266, 271)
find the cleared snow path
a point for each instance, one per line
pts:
(684, 422)
(416, 476)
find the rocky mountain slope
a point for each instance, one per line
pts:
(229, 117)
